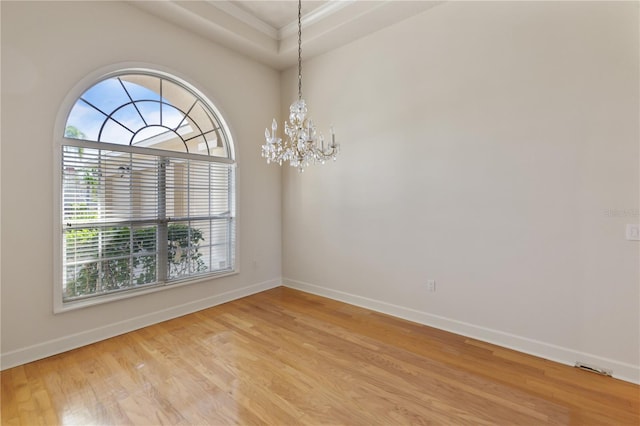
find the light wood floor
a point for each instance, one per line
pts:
(283, 357)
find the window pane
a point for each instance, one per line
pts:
(80, 280)
(198, 146)
(184, 256)
(203, 263)
(142, 87)
(128, 259)
(106, 95)
(144, 187)
(172, 117)
(144, 261)
(151, 136)
(116, 242)
(188, 130)
(176, 189)
(150, 111)
(84, 122)
(220, 244)
(220, 183)
(215, 140)
(81, 245)
(144, 271)
(130, 117)
(177, 96)
(81, 184)
(115, 274)
(114, 132)
(200, 116)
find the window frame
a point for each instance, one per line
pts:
(60, 140)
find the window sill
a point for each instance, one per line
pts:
(62, 307)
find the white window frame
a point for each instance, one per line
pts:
(59, 306)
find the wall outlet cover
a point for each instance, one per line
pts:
(633, 232)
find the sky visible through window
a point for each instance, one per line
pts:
(148, 110)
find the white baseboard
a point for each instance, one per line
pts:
(622, 371)
(63, 344)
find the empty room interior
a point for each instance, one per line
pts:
(440, 223)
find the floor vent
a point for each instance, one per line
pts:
(594, 369)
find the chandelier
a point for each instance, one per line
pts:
(303, 144)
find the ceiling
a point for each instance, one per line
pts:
(268, 31)
(280, 13)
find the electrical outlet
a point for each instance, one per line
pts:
(633, 232)
(431, 285)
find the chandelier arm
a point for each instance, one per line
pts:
(328, 155)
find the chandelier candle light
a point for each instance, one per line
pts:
(303, 145)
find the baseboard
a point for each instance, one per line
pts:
(622, 371)
(63, 344)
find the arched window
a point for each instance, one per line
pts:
(147, 188)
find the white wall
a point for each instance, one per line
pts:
(492, 147)
(47, 48)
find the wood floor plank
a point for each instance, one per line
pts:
(283, 357)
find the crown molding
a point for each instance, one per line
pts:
(246, 17)
(315, 16)
(328, 27)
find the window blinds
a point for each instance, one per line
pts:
(133, 219)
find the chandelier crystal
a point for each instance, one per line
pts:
(303, 144)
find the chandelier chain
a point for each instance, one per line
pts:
(299, 49)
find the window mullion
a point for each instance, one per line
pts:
(210, 211)
(100, 281)
(163, 232)
(230, 223)
(189, 257)
(131, 217)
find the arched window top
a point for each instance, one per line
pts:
(143, 109)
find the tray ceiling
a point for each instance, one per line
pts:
(267, 30)
(277, 14)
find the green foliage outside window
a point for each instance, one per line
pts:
(128, 260)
